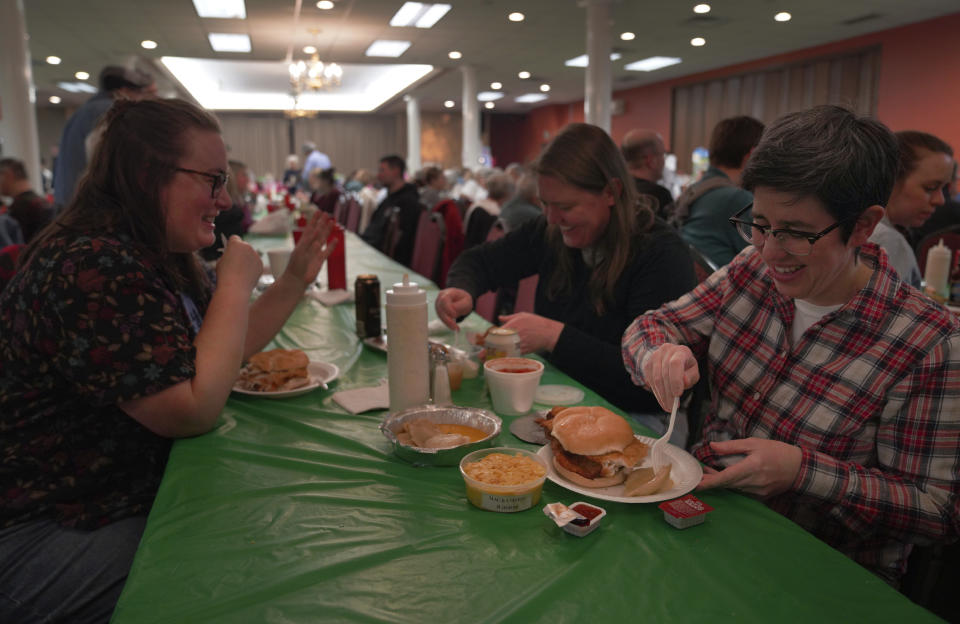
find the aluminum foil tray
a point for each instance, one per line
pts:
(481, 419)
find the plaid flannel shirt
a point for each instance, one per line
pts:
(870, 393)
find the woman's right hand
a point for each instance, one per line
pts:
(451, 304)
(669, 370)
(240, 265)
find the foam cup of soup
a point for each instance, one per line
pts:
(513, 383)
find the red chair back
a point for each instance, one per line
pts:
(352, 221)
(427, 245)
(526, 294)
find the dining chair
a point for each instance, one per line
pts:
(340, 211)
(392, 236)
(428, 245)
(703, 267)
(486, 304)
(352, 220)
(526, 294)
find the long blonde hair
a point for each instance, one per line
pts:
(586, 157)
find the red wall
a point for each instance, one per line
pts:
(919, 89)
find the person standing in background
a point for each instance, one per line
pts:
(315, 159)
(704, 207)
(115, 83)
(646, 155)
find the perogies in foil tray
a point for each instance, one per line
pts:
(477, 418)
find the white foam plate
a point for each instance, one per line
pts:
(558, 395)
(685, 472)
(320, 373)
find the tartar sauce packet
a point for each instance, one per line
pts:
(561, 514)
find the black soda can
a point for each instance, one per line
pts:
(367, 290)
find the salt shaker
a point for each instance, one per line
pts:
(439, 377)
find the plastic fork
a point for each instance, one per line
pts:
(656, 453)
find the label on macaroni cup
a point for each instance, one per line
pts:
(496, 502)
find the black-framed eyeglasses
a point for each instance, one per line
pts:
(217, 180)
(794, 242)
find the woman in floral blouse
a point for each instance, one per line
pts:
(112, 342)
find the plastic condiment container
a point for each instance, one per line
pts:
(503, 498)
(593, 515)
(686, 511)
(407, 361)
(937, 272)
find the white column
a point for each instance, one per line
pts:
(471, 119)
(598, 87)
(18, 123)
(413, 133)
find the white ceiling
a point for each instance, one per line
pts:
(90, 34)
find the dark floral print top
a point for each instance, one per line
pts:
(88, 324)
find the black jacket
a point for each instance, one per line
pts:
(408, 200)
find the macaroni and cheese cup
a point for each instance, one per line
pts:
(525, 481)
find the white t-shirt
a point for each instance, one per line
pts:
(806, 315)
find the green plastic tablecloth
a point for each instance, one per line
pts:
(294, 510)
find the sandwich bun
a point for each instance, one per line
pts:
(591, 430)
(600, 482)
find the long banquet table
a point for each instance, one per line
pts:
(294, 510)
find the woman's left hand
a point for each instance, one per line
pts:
(537, 333)
(312, 251)
(769, 467)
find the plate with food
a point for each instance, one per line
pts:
(594, 452)
(283, 373)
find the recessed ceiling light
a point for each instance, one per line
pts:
(53, 60)
(698, 41)
(325, 5)
(449, 104)
(544, 87)
(581, 61)
(54, 99)
(489, 105)
(530, 97)
(628, 36)
(82, 75)
(223, 9)
(309, 50)
(419, 14)
(496, 85)
(701, 8)
(523, 75)
(652, 63)
(516, 17)
(455, 54)
(387, 47)
(489, 96)
(783, 16)
(229, 42)
(77, 87)
(148, 44)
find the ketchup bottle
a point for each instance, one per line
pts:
(337, 262)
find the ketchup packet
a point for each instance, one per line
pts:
(686, 511)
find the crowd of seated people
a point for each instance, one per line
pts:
(818, 289)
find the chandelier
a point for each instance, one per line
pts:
(314, 75)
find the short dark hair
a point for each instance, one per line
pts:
(395, 162)
(430, 174)
(848, 163)
(911, 142)
(635, 151)
(15, 167)
(732, 139)
(113, 77)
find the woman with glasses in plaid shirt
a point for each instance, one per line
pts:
(835, 386)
